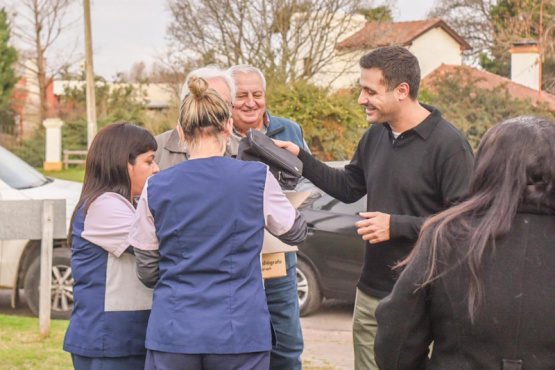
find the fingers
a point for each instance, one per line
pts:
(369, 214)
(293, 148)
(374, 228)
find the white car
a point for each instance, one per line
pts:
(20, 259)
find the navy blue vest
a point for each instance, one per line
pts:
(209, 220)
(92, 331)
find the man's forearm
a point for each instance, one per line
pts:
(339, 183)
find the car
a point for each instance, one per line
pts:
(330, 260)
(20, 259)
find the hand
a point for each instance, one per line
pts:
(293, 148)
(375, 228)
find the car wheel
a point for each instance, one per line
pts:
(308, 290)
(62, 285)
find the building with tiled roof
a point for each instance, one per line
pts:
(487, 80)
(432, 41)
(379, 34)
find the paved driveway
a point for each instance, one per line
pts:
(328, 341)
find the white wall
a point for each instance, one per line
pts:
(525, 69)
(431, 48)
(343, 72)
(341, 27)
(434, 48)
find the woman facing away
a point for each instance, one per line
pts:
(479, 283)
(108, 323)
(198, 235)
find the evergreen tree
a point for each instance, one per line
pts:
(8, 56)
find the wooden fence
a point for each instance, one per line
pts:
(69, 157)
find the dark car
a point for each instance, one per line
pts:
(331, 258)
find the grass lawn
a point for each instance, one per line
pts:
(72, 174)
(21, 346)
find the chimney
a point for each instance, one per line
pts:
(525, 64)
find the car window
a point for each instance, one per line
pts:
(328, 203)
(18, 174)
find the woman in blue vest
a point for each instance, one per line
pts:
(110, 315)
(198, 235)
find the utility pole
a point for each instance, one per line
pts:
(541, 51)
(91, 100)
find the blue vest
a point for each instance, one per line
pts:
(92, 331)
(292, 131)
(209, 219)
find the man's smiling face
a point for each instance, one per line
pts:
(250, 102)
(379, 103)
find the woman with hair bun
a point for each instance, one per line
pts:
(198, 235)
(108, 323)
(479, 282)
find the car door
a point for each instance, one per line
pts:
(333, 245)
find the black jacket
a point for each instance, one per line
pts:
(515, 324)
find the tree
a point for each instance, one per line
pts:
(516, 20)
(38, 24)
(8, 56)
(115, 102)
(492, 26)
(379, 14)
(471, 19)
(277, 36)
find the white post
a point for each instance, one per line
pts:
(53, 159)
(46, 251)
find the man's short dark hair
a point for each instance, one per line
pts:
(397, 64)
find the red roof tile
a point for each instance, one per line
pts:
(488, 80)
(378, 34)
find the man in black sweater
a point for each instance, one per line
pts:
(411, 162)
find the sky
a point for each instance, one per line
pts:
(128, 31)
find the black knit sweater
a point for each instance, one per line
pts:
(422, 172)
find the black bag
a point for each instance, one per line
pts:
(286, 168)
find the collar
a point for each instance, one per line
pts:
(424, 129)
(174, 145)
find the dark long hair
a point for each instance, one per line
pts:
(106, 168)
(515, 165)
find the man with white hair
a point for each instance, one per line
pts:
(249, 111)
(170, 150)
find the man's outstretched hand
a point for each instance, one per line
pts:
(293, 148)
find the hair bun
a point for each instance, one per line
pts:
(198, 86)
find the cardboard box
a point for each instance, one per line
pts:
(273, 265)
(273, 250)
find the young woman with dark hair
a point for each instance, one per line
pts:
(479, 283)
(198, 235)
(110, 315)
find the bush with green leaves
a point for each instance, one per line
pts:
(332, 123)
(473, 109)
